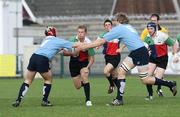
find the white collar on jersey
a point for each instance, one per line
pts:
(86, 40)
(49, 36)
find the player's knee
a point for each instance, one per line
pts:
(143, 75)
(84, 76)
(85, 80)
(28, 81)
(124, 67)
(121, 72)
(145, 79)
(84, 70)
(114, 75)
(77, 85)
(48, 81)
(106, 73)
(77, 82)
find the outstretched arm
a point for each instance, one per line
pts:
(84, 46)
(74, 52)
(121, 48)
(175, 47)
(175, 50)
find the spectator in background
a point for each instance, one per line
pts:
(40, 62)
(81, 62)
(154, 18)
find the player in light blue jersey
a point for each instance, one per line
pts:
(39, 62)
(138, 56)
(51, 46)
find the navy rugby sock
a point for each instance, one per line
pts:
(115, 81)
(110, 80)
(82, 84)
(46, 91)
(120, 88)
(163, 82)
(149, 89)
(159, 86)
(23, 89)
(87, 91)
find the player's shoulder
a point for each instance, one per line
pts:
(147, 37)
(164, 29)
(72, 39)
(162, 34)
(144, 33)
(145, 29)
(87, 40)
(51, 39)
(102, 34)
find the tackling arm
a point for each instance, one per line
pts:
(84, 46)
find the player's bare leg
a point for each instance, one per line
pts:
(155, 81)
(24, 87)
(84, 75)
(47, 76)
(151, 69)
(126, 65)
(107, 71)
(114, 73)
(159, 74)
(77, 82)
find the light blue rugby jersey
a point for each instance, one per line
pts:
(51, 46)
(127, 35)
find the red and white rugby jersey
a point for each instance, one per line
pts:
(158, 44)
(112, 46)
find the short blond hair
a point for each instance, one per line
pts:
(121, 18)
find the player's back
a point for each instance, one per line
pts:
(51, 46)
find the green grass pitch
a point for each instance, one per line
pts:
(69, 102)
